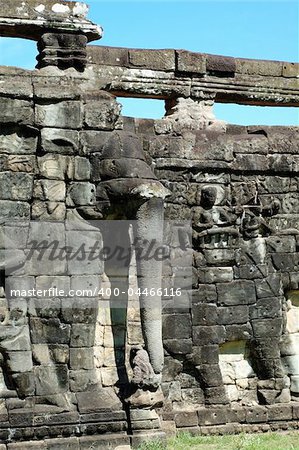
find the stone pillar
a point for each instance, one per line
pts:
(62, 50)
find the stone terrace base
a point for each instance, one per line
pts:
(119, 441)
(225, 420)
(61, 431)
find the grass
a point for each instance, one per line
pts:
(265, 441)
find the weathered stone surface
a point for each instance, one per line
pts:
(153, 59)
(65, 114)
(112, 56)
(51, 379)
(101, 115)
(51, 190)
(177, 326)
(49, 331)
(236, 293)
(251, 67)
(16, 111)
(18, 140)
(290, 70)
(80, 194)
(221, 64)
(189, 62)
(56, 140)
(208, 335)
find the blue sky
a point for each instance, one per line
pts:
(255, 29)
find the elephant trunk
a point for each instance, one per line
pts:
(149, 234)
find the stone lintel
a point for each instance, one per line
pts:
(30, 19)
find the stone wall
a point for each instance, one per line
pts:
(75, 367)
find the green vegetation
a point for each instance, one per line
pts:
(266, 441)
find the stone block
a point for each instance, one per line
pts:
(15, 186)
(16, 111)
(98, 399)
(82, 380)
(267, 327)
(82, 168)
(210, 374)
(186, 419)
(50, 331)
(79, 309)
(110, 375)
(51, 282)
(285, 262)
(19, 361)
(171, 369)
(101, 114)
(57, 140)
(230, 315)
(66, 443)
(47, 354)
(280, 412)
(81, 358)
(15, 338)
(295, 408)
(205, 293)
(256, 414)
(104, 442)
(221, 64)
(82, 335)
(251, 162)
(19, 163)
(54, 167)
(266, 308)
(178, 346)
(51, 380)
(213, 416)
(259, 67)
(269, 287)
(290, 70)
(216, 395)
(216, 275)
(43, 234)
(208, 335)
(286, 244)
(294, 384)
(251, 272)
(189, 62)
(40, 261)
(238, 332)
(220, 257)
(177, 326)
(88, 283)
(49, 190)
(204, 314)
(45, 210)
(25, 383)
(81, 194)
(14, 210)
(94, 142)
(107, 56)
(29, 445)
(152, 59)
(238, 292)
(65, 114)
(208, 354)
